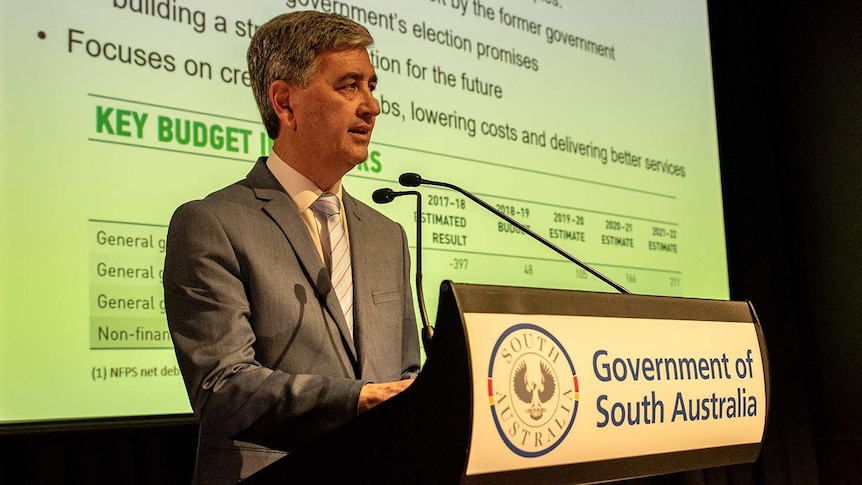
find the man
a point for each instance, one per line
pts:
(275, 343)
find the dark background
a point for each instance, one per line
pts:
(788, 90)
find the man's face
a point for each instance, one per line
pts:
(335, 114)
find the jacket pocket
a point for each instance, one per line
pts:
(384, 296)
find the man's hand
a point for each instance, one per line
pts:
(373, 394)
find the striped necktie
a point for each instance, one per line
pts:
(335, 243)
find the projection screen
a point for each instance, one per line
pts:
(590, 121)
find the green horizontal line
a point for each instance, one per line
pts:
(127, 223)
(532, 202)
(131, 348)
(366, 177)
(235, 159)
(417, 150)
(521, 169)
(547, 204)
(142, 103)
(515, 256)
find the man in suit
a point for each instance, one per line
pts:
(275, 344)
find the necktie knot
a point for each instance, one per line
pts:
(327, 204)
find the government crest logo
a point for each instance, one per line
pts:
(532, 390)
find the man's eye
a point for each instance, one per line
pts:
(372, 87)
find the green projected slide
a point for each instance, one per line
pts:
(590, 121)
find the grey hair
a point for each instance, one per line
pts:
(287, 48)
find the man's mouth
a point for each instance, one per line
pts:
(361, 130)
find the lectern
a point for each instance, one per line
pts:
(540, 386)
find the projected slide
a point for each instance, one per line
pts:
(592, 122)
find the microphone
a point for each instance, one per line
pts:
(409, 179)
(385, 196)
(415, 180)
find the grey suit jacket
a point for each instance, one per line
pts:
(260, 338)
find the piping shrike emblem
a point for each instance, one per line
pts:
(535, 385)
(532, 390)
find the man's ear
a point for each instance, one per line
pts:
(279, 97)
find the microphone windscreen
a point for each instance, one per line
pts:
(409, 179)
(383, 196)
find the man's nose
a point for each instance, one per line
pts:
(369, 106)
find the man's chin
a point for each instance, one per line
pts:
(359, 157)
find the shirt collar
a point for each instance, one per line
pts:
(302, 190)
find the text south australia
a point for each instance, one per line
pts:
(677, 402)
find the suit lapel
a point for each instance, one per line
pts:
(363, 269)
(283, 211)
